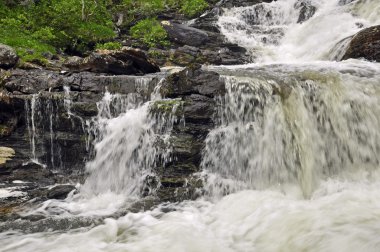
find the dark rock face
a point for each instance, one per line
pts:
(124, 61)
(36, 122)
(242, 3)
(43, 116)
(208, 21)
(184, 35)
(60, 191)
(193, 80)
(8, 57)
(365, 44)
(195, 89)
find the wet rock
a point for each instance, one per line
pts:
(21, 82)
(193, 80)
(344, 2)
(31, 172)
(242, 3)
(307, 10)
(8, 57)
(365, 44)
(124, 61)
(60, 191)
(184, 35)
(194, 91)
(31, 82)
(208, 21)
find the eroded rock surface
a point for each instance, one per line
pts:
(8, 57)
(365, 44)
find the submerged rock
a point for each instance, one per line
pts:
(8, 57)
(307, 10)
(365, 44)
(60, 191)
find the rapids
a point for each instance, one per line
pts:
(293, 164)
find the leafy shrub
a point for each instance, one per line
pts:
(109, 46)
(150, 32)
(192, 8)
(27, 44)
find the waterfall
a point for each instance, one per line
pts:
(279, 127)
(292, 162)
(126, 145)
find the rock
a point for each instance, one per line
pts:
(242, 3)
(20, 82)
(75, 63)
(8, 57)
(344, 2)
(185, 55)
(365, 44)
(193, 80)
(184, 35)
(30, 172)
(307, 10)
(124, 61)
(208, 21)
(60, 191)
(6, 154)
(193, 90)
(63, 147)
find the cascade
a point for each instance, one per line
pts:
(280, 127)
(288, 31)
(292, 162)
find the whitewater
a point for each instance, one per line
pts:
(293, 164)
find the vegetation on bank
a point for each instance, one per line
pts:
(38, 29)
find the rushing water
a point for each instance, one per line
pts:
(292, 165)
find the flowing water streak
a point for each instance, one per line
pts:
(126, 135)
(31, 111)
(293, 128)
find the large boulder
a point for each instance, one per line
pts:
(124, 61)
(184, 35)
(365, 44)
(8, 57)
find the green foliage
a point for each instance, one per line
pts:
(76, 24)
(150, 32)
(35, 28)
(29, 45)
(139, 9)
(109, 46)
(48, 25)
(192, 8)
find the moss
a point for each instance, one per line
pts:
(4, 75)
(4, 130)
(167, 106)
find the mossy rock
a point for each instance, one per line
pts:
(166, 107)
